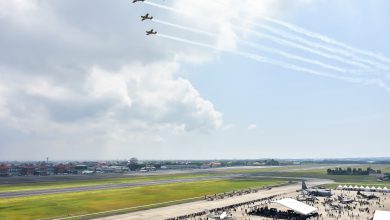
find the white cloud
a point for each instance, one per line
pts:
(92, 79)
(71, 77)
(151, 93)
(221, 17)
(252, 127)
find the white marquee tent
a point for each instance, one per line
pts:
(381, 215)
(297, 206)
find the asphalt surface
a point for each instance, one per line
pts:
(198, 206)
(26, 193)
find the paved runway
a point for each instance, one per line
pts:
(198, 206)
(109, 186)
(31, 179)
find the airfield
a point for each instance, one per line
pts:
(199, 206)
(169, 194)
(328, 207)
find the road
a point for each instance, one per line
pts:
(198, 206)
(26, 193)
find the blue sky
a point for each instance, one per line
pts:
(80, 80)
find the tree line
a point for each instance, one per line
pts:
(353, 171)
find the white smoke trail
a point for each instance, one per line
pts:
(325, 39)
(295, 57)
(188, 41)
(262, 59)
(328, 40)
(261, 47)
(307, 42)
(184, 27)
(304, 48)
(270, 37)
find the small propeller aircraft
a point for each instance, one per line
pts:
(134, 1)
(146, 17)
(151, 32)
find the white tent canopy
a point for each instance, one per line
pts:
(297, 206)
(381, 215)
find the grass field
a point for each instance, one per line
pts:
(94, 182)
(48, 206)
(57, 205)
(134, 179)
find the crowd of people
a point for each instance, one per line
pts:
(234, 193)
(277, 214)
(341, 205)
(244, 207)
(355, 208)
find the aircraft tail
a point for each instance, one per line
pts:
(304, 185)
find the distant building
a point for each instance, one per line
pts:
(114, 169)
(4, 170)
(14, 170)
(179, 166)
(215, 164)
(27, 169)
(59, 169)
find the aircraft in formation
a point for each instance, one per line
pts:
(146, 17)
(151, 32)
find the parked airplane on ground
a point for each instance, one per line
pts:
(304, 197)
(315, 192)
(223, 215)
(344, 200)
(368, 197)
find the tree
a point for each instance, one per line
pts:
(133, 164)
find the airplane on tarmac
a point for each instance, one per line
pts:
(315, 192)
(304, 197)
(344, 200)
(223, 215)
(368, 197)
(146, 17)
(151, 32)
